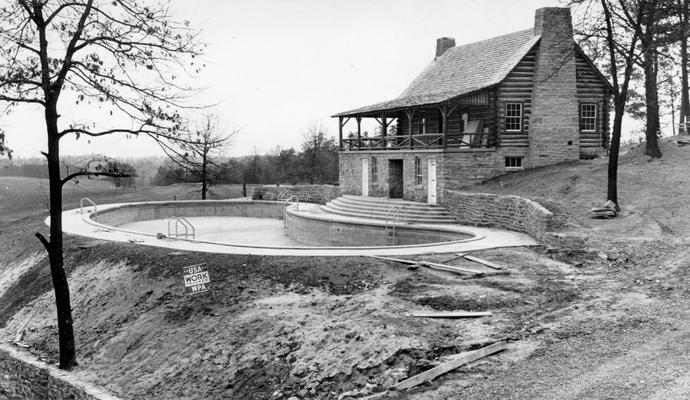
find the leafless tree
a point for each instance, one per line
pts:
(121, 54)
(201, 153)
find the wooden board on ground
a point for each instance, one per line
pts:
(448, 268)
(449, 366)
(484, 262)
(452, 314)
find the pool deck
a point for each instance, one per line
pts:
(75, 222)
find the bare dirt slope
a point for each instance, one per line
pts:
(607, 323)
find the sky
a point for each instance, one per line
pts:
(276, 68)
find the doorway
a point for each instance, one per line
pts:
(431, 190)
(365, 177)
(395, 179)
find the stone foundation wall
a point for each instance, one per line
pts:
(507, 212)
(23, 377)
(319, 194)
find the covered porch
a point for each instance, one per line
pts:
(463, 122)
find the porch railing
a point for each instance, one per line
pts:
(422, 141)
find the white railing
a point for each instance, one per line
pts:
(95, 208)
(185, 224)
(285, 204)
(392, 219)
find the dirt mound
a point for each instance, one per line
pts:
(270, 327)
(670, 150)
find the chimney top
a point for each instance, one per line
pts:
(443, 44)
(552, 19)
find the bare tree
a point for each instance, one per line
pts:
(200, 154)
(620, 43)
(4, 150)
(120, 54)
(319, 157)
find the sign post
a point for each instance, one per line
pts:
(196, 278)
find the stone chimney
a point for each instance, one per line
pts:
(554, 128)
(443, 44)
(553, 21)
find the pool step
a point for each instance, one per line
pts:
(379, 208)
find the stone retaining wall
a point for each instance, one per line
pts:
(319, 194)
(23, 377)
(508, 212)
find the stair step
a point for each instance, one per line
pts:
(445, 220)
(387, 202)
(387, 208)
(380, 208)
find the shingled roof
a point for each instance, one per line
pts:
(460, 70)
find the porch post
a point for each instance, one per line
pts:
(444, 124)
(340, 133)
(359, 127)
(410, 113)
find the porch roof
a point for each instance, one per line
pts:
(460, 70)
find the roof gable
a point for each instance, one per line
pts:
(461, 70)
(464, 69)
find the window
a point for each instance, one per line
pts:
(514, 162)
(422, 126)
(514, 117)
(588, 117)
(374, 170)
(418, 171)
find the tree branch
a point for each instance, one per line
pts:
(44, 241)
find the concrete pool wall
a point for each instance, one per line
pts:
(207, 208)
(315, 229)
(303, 226)
(83, 222)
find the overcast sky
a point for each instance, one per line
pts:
(278, 67)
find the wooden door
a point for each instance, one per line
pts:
(365, 177)
(431, 190)
(395, 179)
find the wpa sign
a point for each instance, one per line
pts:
(196, 278)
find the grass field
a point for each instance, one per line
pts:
(20, 196)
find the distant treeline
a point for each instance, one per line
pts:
(25, 170)
(316, 163)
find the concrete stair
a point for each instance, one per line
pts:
(379, 208)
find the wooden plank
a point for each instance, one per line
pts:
(448, 268)
(452, 314)
(427, 264)
(484, 262)
(466, 358)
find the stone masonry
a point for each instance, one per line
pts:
(23, 377)
(508, 212)
(554, 134)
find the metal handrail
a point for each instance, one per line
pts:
(392, 216)
(284, 203)
(186, 223)
(95, 207)
(181, 221)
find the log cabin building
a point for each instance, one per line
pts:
(522, 100)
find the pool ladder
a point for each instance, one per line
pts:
(95, 208)
(285, 203)
(392, 219)
(185, 224)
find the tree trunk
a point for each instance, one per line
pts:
(684, 91)
(612, 193)
(650, 82)
(54, 245)
(652, 101)
(204, 186)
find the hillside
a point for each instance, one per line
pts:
(607, 323)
